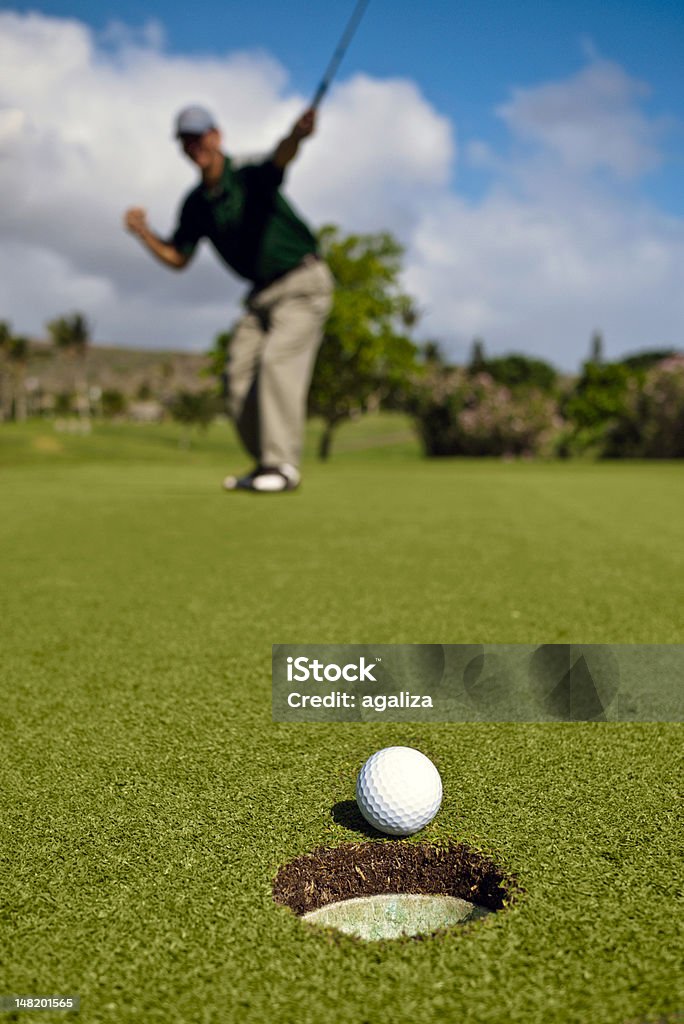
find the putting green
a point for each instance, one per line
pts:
(147, 800)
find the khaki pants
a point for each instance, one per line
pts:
(271, 359)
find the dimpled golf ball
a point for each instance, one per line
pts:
(398, 790)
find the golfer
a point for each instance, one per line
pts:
(239, 208)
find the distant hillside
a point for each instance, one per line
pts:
(130, 371)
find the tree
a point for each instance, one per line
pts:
(599, 394)
(596, 352)
(432, 354)
(598, 400)
(478, 360)
(14, 352)
(651, 423)
(193, 408)
(648, 358)
(18, 353)
(517, 371)
(113, 402)
(5, 339)
(366, 355)
(71, 334)
(218, 355)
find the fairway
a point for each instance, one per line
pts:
(148, 799)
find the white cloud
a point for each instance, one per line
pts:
(559, 246)
(550, 252)
(539, 281)
(588, 121)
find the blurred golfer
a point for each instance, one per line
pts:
(239, 208)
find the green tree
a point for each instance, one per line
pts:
(651, 425)
(648, 358)
(63, 403)
(596, 402)
(599, 394)
(71, 334)
(193, 408)
(477, 363)
(17, 354)
(517, 371)
(5, 339)
(366, 356)
(113, 402)
(218, 355)
(14, 354)
(596, 351)
(432, 355)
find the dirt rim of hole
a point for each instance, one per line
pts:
(332, 874)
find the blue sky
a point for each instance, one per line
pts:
(548, 120)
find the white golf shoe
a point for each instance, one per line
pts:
(266, 480)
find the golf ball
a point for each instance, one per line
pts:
(398, 790)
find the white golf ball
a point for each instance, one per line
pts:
(398, 790)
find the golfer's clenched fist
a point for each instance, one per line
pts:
(135, 220)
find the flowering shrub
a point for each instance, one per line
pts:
(462, 414)
(611, 411)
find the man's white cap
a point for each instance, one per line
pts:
(194, 121)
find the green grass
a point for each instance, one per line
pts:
(148, 799)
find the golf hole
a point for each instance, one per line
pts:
(384, 890)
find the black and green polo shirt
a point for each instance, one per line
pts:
(250, 224)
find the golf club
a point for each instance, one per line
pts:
(339, 52)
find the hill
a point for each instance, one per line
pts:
(133, 372)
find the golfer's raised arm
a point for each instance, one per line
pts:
(135, 220)
(287, 149)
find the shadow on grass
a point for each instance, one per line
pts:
(347, 814)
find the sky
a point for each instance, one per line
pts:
(528, 157)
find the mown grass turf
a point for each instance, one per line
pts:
(148, 799)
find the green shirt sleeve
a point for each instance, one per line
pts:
(188, 230)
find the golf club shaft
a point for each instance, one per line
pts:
(339, 52)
